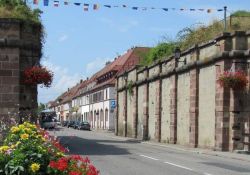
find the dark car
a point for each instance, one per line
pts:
(76, 124)
(65, 123)
(71, 124)
(84, 126)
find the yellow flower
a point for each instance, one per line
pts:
(14, 129)
(12, 146)
(43, 139)
(27, 130)
(21, 126)
(4, 148)
(24, 136)
(35, 167)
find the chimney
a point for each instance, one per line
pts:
(68, 89)
(87, 78)
(81, 81)
(107, 63)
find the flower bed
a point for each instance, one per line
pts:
(38, 75)
(29, 150)
(235, 80)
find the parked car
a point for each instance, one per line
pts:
(70, 124)
(84, 125)
(65, 123)
(77, 123)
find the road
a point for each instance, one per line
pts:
(119, 156)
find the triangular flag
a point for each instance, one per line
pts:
(77, 3)
(192, 9)
(66, 3)
(109, 6)
(35, 2)
(135, 8)
(220, 10)
(144, 8)
(209, 10)
(201, 9)
(124, 6)
(95, 6)
(166, 9)
(46, 2)
(86, 7)
(182, 9)
(56, 3)
(116, 5)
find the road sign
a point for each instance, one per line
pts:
(113, 104)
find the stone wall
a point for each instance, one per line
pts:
(20, 47)
(179, 103)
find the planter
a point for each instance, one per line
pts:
(38, 75)
(234, 80)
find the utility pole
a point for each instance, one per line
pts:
(225, 18)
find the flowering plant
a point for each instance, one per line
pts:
(235, 80)
(38, 75)
(72, 165)
(30, 150)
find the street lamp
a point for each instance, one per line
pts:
(177, 55)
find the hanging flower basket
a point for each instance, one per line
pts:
(38, 75)
(235, 80)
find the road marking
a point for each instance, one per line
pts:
(149, 157)
(179, 166)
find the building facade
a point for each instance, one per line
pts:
(95, 98)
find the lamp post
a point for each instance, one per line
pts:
(177, 55)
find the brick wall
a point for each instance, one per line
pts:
(192, 107)
(19, 48)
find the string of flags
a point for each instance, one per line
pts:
(88, 6)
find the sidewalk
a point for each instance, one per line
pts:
(238, 155)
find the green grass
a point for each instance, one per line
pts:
(196, 34)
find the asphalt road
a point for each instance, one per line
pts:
(119, 156)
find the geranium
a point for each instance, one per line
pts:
(235, 80)
(72, 165)
(38, 75)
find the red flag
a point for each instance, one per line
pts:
(35, 2)
(96, 7)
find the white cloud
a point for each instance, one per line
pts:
(95, 65)
(63, 37)
(124, 27)
(61, 82)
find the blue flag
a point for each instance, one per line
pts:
(46, 2)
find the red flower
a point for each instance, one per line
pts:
(62, 164)
(75, 173)
(38, 75)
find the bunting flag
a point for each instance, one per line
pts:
(66, 3)
(109, 6)
(77, 3)
(35, 2)
(56, 3)
(86, 7)
(46, 2)
(95, 6)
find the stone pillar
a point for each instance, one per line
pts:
(145, 107)
(135, 111)
(194, 110)
(116, 110)
(158, 84)
(222, 101)
(173, 108)
(125, 113)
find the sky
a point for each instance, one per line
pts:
(79, 43)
